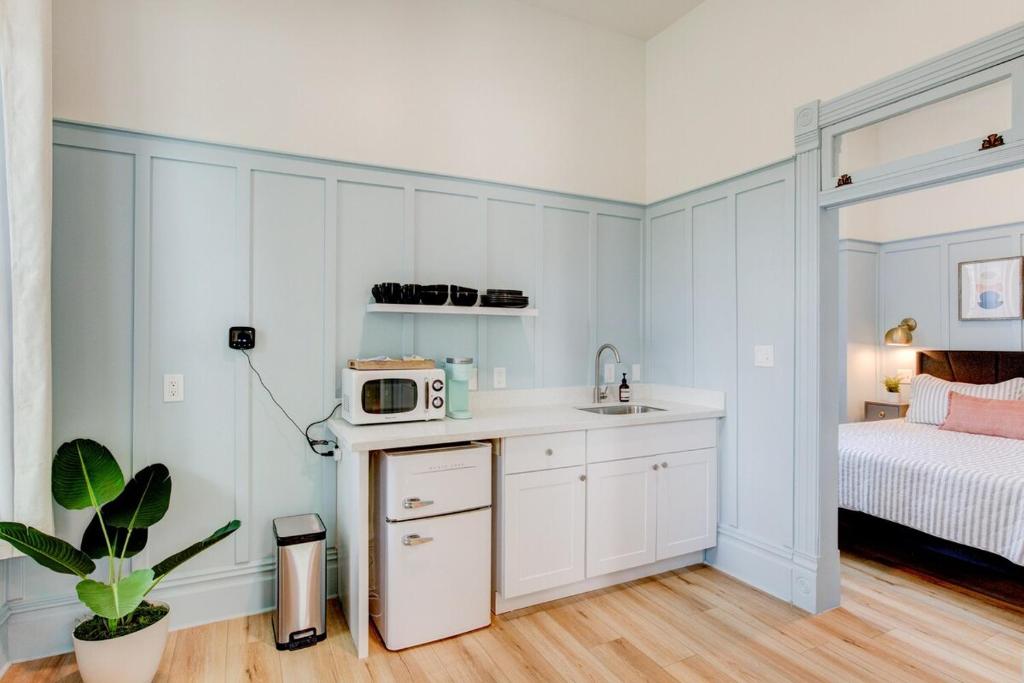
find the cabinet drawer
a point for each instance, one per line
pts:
(884, 411)
(642, 440)
(544, 451)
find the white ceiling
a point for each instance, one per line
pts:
(637, 18)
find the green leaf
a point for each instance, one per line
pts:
(114, 601)
(164, 567)
(143, 502)
(95, 546)
(48, 551)
(85, 474)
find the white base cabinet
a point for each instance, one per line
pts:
(543, 531)
(622, 515)
(571, 510)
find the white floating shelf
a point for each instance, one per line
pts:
(448, 309)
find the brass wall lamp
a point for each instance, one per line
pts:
(901, 335)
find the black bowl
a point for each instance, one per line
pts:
(387, 292)
(464, 297)
(410, 294)
(433, 295)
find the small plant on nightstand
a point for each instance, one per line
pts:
(892, 384)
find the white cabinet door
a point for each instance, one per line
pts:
(621, 514)
(544, 530)
(687, 502)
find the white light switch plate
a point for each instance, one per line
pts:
(609, 373)
(473, 379)
(174, 388)
(764, 356)
(636, 373)
(499, 378)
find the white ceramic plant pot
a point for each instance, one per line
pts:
(133, 658)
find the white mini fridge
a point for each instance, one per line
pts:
(433, 552)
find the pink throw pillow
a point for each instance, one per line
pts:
(990, 416)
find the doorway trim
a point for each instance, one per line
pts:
(816, 586)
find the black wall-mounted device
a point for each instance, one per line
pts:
(242, 338)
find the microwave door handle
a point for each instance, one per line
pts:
(426, 394)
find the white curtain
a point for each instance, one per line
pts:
(26, 194)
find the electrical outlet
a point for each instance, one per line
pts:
(609, 373)
(174, 388)
(764, 356)
(499, 378)
(636, 373)
(473, 379)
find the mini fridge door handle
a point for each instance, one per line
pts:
(416, 539)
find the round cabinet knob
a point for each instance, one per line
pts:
(583, 477)
(549, 452)
(438, 385)
(664, 465)
(881, 413)
(438, 402)
(654, 466)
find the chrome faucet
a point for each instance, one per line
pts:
(601, 392)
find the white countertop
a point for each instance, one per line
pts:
(492, 422)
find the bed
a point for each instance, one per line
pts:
(965, 488)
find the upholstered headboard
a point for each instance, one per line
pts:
(973, 367)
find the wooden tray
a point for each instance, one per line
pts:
(391, 364)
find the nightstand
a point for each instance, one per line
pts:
(884, 410)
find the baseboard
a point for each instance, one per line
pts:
(764, 566)
(500, 605)
(40, 628)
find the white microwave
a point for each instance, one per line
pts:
(376, 396)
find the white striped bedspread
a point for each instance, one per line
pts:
(964, 488)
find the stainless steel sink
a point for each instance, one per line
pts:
(622, 409)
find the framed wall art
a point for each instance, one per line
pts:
(992, 289)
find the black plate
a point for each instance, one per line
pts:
(504, 292)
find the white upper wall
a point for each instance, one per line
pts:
(486, 89)
(724, 80)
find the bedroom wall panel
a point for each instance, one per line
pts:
(160, 245)
(720, 281)
(980, 335)
(859, 332)
(919, 278)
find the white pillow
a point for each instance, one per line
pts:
(929, 396)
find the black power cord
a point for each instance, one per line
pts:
(314, 444)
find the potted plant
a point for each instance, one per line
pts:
(124, 639)
(892, 384)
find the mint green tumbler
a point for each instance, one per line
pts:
(457, 372)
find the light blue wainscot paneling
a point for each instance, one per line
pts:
(565, 318)
(450, 248)
(513, 262)
(160, 245)
(765, 273)
(714, 325)
(620, 295)
(191, 303)
(289, 224)
(370, 249)
(720, 275)
(670, 286)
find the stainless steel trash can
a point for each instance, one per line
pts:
(300, 612)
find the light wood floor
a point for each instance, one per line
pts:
(690, 625)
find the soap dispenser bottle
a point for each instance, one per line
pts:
(624, 390)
